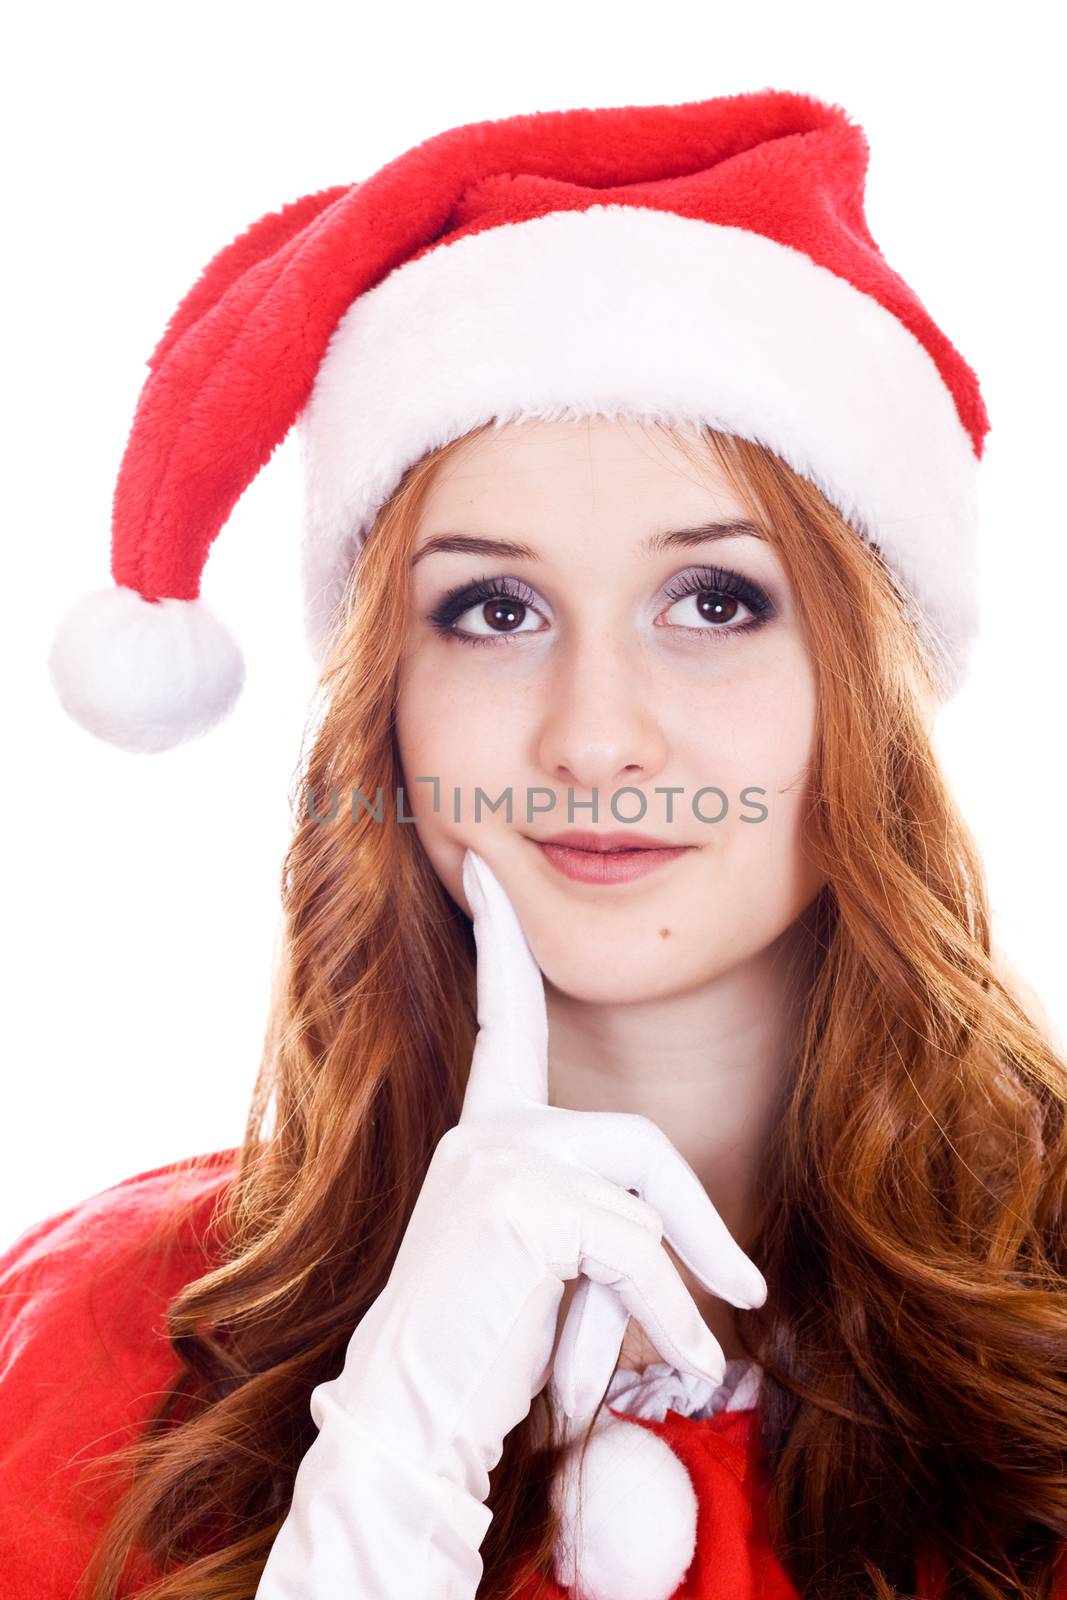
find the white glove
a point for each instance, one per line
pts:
(518, 1197)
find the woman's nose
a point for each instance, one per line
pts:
(599, 728)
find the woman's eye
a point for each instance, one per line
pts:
(487, 612)
(497, 617)
(706, 608)
(715, 603)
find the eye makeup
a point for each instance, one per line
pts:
(456, 601)
(721, 582)
(718, 583)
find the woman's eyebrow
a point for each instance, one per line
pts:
(737, 529)
(475, 545)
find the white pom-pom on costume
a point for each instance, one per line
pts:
(144, 675)
(635, 1536)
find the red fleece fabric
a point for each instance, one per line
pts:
(83, 1355)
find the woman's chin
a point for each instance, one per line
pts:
(629, 973)
(618, 989)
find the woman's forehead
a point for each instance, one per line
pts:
(527, 477)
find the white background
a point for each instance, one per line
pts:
(141, 892)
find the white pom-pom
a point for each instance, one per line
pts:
(635, 1537)
(144, 675)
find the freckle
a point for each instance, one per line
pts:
(664, 933)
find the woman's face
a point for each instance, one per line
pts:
(618, 661)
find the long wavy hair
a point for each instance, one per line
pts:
(914, 1339)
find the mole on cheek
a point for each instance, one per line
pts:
(664, 933)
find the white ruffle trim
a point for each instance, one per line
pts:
(661, 1388)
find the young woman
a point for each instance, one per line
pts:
(731, 1171)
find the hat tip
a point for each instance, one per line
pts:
(142, 674)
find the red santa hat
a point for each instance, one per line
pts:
(708, 262)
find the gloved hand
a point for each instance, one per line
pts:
(518, 1197)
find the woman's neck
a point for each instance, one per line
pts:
(709, 1067)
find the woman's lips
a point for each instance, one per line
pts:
(607, 866)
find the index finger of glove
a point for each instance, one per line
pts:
(510, 1061)
(635, 1153)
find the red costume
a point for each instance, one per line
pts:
(84, 1354)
